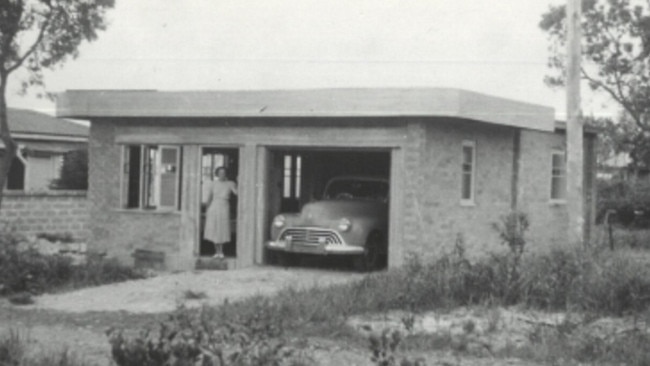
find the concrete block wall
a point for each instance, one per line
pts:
(442, 216)
(60, 212)
(119, 232)
(548, 221)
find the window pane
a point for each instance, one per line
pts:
(151, 181)
(467, 169)
(132, 176)
(468, 155)
(558, 177)
(298, 175)
(558, 188)
(16, 177)
(467, 187)
(168, 171)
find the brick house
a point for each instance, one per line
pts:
(456, 161)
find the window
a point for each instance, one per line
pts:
(57, 165)
(151, 177)
(292, 176)
(16, 177)
(558, 176)
(468, 168)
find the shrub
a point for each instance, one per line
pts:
(210, 337)
(629, 198)
(13, 352)
(27, 271)
(74, 171)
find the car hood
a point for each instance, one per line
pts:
(336, 209)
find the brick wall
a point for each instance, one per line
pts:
(436, 187)
(47, 212)
(116, 231)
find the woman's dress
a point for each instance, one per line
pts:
(217, 220)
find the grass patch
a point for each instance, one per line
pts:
(13, 352)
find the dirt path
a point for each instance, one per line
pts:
(166, 292)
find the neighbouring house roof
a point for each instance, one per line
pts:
(25, 123)
(360, 102)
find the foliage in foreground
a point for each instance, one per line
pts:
(29, 272)
(251, 336)
(254, 329)
(13, 352)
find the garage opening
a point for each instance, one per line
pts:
(333, 204)
(211, 159)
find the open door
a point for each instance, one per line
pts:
(211, 159)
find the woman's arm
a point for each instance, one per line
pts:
(207, 193)
(233, 187)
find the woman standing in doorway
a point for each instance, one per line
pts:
(217, 221)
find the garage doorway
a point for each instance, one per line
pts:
(211, 159)
(298, 176)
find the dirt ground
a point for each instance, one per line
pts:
(78, 320)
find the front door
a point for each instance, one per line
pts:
(211, 159)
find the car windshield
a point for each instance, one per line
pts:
(357, 189)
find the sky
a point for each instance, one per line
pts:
(493, 47)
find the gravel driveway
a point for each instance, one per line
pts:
(166, 292)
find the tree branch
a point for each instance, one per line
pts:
(32, 48)
(617, 97)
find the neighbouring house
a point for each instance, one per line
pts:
(29, 204)
(455, 161)
(42, 141)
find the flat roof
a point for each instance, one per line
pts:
(352, 102)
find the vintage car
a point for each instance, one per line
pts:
(351, 220)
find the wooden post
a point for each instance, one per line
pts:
(574, 131)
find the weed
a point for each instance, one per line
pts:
(21, 298)
(384, 348)
(194, 295)
(210, 337)
(13, 352)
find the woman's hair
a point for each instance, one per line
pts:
(216, 171)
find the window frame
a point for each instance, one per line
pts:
(125, 171)
(471, 201)
(552, 199)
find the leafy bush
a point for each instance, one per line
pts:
(74, 171)
(629, 198)
(13, 352)
(250, 336)
(27, 271)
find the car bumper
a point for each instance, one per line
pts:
(323, 249)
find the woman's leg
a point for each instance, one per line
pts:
(218, 250)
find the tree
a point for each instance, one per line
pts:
(36, 35)
(615, 48)
(74, 171)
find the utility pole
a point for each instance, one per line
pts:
(574, 130)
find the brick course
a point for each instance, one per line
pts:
(47, 212)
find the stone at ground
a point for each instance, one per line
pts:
(490, 331)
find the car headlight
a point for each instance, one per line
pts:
(279, 221)
(344, 224)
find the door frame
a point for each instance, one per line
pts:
(197, 225)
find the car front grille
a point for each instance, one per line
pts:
(311, 236)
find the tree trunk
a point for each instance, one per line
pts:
(9, 148)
